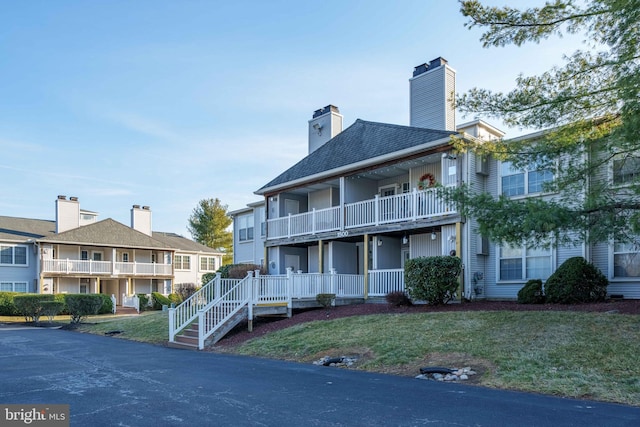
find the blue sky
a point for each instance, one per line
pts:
(164, 103)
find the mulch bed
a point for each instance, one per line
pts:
(263, 326)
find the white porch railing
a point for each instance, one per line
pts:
(382, 282)
(91, 267)
(219, 300)
(380, 210)
(131, 301)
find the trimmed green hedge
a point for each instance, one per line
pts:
(576, 281)
(30, 305)
(432, 279)
(80, 306)
(7, 307)
(159, 300)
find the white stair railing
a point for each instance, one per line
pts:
(187, 311)
(214, 316)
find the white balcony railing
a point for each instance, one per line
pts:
(380, 210)
(90, 267)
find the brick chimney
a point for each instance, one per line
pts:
(67, 213)
(141, 219)
(432, 89)
(324, 125)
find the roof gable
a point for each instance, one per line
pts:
(361, 141)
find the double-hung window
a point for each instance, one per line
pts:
(520, 182)
(207, 263)
(13, 286)
(182, 262)
(626, 170)
(13, 255)
(245, 227)
(522, 263)
(626, 260)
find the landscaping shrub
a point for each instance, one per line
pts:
(80, 306)
(175, 299)
(326, 300)
(531, 293)
(51, 309)
(207, 277)
(576, 281)
(30, 305)
(239, 271)
(144, 302)
(224, 270)
(7, 307)
(185, 290)
(107, 304)
(398, 298)
(432, 279)
(159, 300)
(60, 298)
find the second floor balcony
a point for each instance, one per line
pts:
(398, 208)
(105, 268)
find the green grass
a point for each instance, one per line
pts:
(151, 327)
(585, 355)
(571, 354)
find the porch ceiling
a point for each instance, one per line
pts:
(377, 174)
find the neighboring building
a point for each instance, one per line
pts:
(76, 253)
(249, 234)
(361, 200)
(192, 260)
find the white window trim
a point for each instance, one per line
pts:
(611, 175)
(182, 257)
(386, 187)
(97, 252)
(524, 279)
(13, 256)
(611, 275)
(526, 182)
(207, 257)
(13, 286)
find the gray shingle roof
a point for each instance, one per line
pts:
(361, 141)
(179, 242)
(23, 229)
(107, 233)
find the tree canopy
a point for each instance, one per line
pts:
(209, 225)
(589, 111)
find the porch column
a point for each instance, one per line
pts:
(459, 255)
(129, 286)
(366, 266)
(320, 256)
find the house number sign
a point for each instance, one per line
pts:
(343, 233)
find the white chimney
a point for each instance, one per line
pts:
(141, 219)
(325, 124)
(67, 213)
(432, 89)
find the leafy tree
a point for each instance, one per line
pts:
(591, 106)
(209, 225)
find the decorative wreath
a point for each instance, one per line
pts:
(426, 181)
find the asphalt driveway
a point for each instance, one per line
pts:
(110, 381)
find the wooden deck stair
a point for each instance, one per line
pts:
(188, 338)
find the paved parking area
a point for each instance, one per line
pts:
(110, 381)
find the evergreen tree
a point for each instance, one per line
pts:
(590, 108)
(209, 225)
